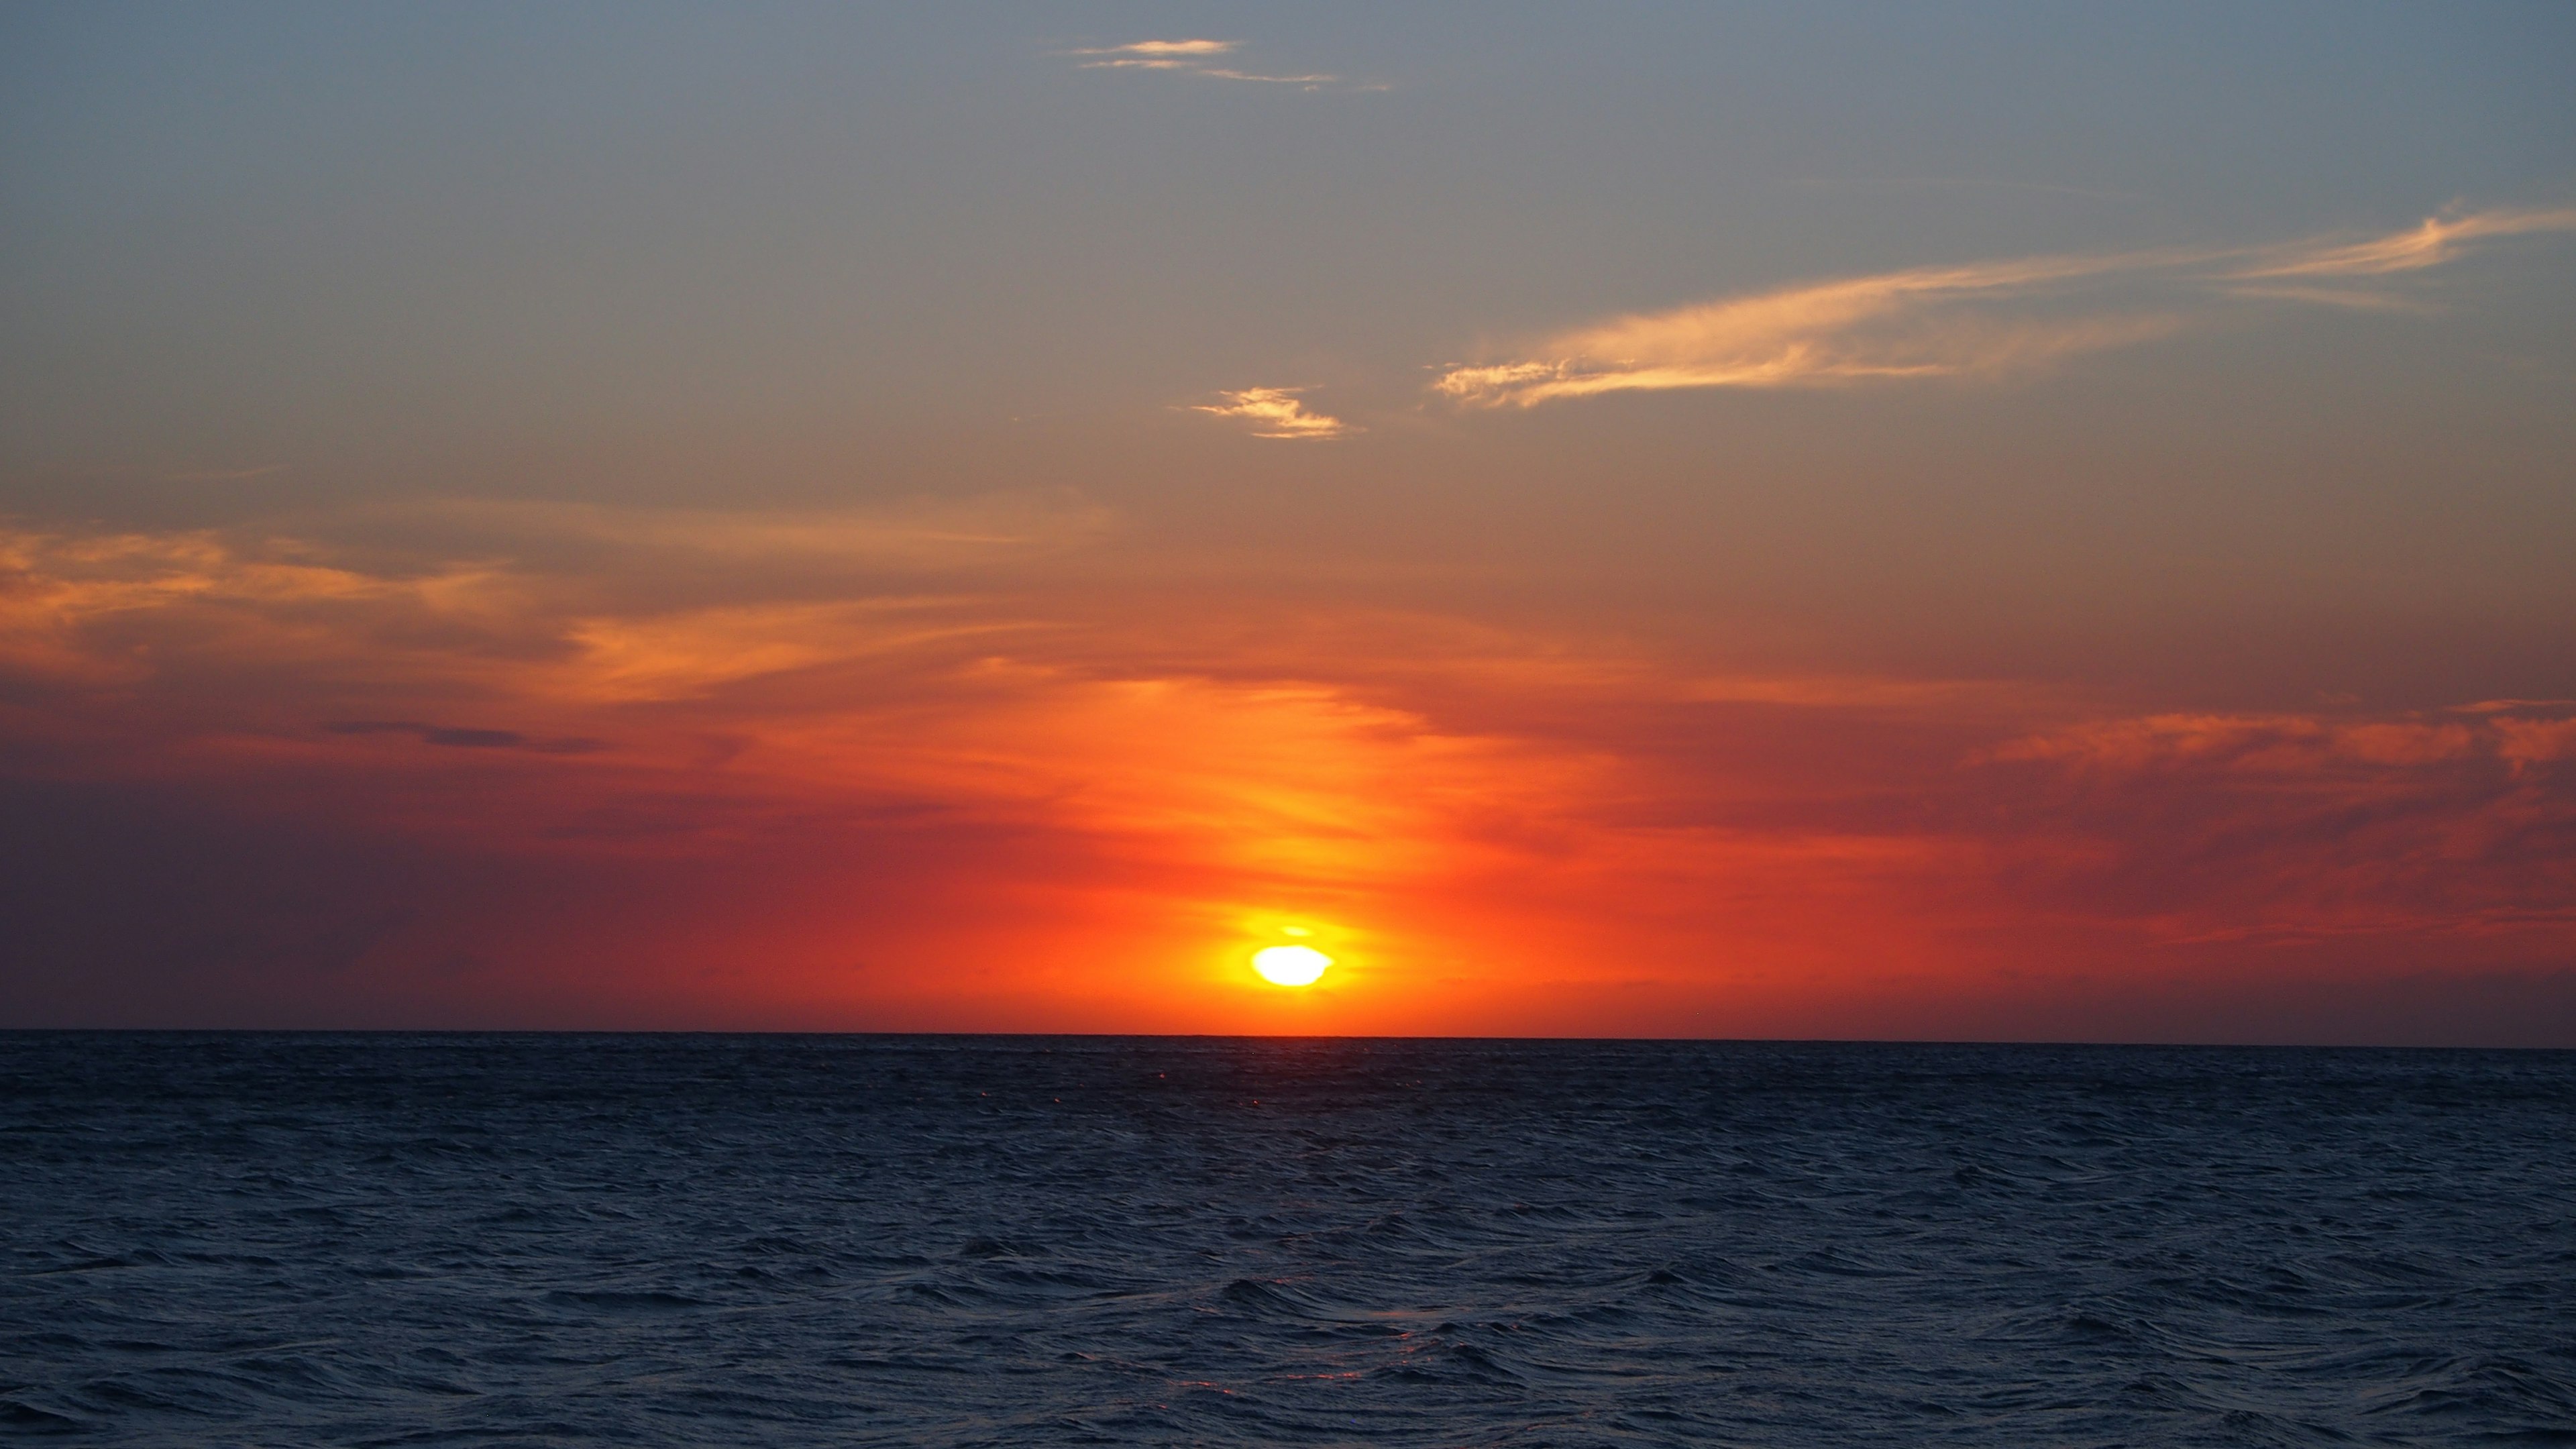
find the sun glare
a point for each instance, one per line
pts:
(1290, 965)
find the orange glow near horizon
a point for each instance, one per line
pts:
(1062, 837)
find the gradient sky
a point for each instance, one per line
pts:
(1849, 521)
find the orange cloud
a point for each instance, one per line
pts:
(1275, 412)
(1982, 320)
(2436, 241)
(1898, 325)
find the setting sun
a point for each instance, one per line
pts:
(1290, 965)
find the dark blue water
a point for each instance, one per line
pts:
(352, 1240)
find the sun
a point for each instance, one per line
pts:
(1290, 965)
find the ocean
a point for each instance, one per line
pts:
(473, 1239)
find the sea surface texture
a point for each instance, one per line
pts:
(415, 1240)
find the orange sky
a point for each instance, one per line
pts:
(1714, 525)
(951, 804)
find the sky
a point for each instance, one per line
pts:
(1995, 522)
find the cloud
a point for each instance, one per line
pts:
(2206, 828)
(459, 738)
(1979, 320)
(1163, 49)
(2355, 299)
(1275, 412)
(2502, 706)
(829, 731)
(2250, 745)
(676, 654)
(568, 603)
(2429, 245)
(928, 536)
(1310, 82)
(2516, 733)
(1187, 57)
(1913, 324)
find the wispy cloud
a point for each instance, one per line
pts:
(1165, 49)
(1925, 322)
(2437, 241)
(1188, 57)
(1975, 320)
(1275, 412)
(465, 594)
(2351, 299)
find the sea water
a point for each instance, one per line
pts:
(833, 1240)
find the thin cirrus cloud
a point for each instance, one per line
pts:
(1980, 320)
(1276, 412)
(508, 588)
(1187, 57)
(2429, 245)
(1925, 322)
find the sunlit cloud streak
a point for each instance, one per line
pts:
(1968, 321)
(1275, 412)
(575, 603)
(1187, 57)
(2430, 245)
(1165, 49)
(1919, 323)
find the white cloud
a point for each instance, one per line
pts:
(1188, 57)
(1164, 48)
(1275, 412)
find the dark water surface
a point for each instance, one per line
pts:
(351, 1240)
